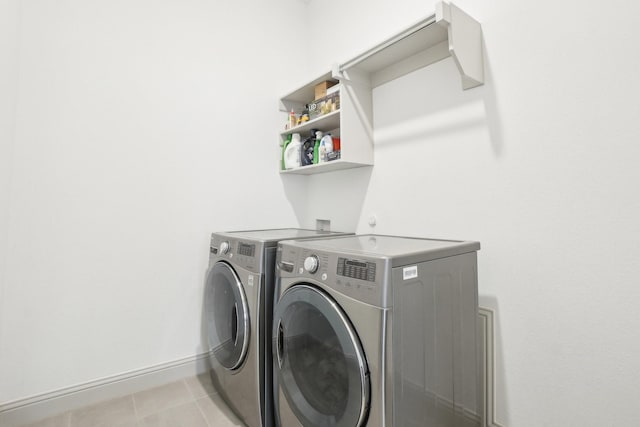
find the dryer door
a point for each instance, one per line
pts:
(227, 316)
(319, 361)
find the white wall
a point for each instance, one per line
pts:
(540, 166)
(132, 121)
(8, 92)
(141, 127)
(9, 22)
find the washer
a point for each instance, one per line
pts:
(239, 293)
(378, 331)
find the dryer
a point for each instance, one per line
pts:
(378, 331)
(239, 293)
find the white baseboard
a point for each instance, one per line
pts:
(487, 327)
(44, 405)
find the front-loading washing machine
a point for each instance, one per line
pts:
(378, 331)
(239, 292)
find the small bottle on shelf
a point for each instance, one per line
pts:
(292, 120)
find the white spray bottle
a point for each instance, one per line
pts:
(326, 147)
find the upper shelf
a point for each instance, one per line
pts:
(448, 32)
(305, 93)
(326, 122)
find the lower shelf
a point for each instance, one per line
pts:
(324, 167)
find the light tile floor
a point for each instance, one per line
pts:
(191, 402)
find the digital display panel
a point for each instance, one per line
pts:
(246, 249)
(357, 269)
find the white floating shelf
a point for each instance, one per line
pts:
(448, 32)
(324, 167)
(328, 121)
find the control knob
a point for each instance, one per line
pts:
(224, 247)
(311, 264)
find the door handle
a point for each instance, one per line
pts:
(280, 343)
(234, 324)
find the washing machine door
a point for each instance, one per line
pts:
(227, 316)
(319, 361)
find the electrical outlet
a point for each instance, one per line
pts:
(323, 224)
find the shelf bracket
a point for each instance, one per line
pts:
(465, 43)
(336, 73)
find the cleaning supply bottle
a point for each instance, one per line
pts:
(292, 120)
(336, 143)
(322, 152)
(284, 148)
(307, 149)
(292, 153)
(316, 148)
(336, 148)
(326, 146)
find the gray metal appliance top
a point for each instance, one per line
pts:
(399, 250)
(273, 236)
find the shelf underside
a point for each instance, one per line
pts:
(324, 167)
(449, 32)
(420, 37)
(421, 45)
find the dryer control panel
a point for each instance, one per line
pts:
(361, 278)
(243, 253)
(356, 269)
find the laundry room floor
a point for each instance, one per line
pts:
(191, 402)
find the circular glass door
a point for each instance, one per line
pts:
(319, 361)
(227, 316)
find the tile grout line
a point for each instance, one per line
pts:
(135, 409)
(195, 400)
(164, 409)
(184, 381)
(69, 423)
(206, 420)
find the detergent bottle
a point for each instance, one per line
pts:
(326, 146)
(328, 141)
(322, 153)
(284, 148)
(292, 153)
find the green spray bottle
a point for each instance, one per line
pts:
(316, 148)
